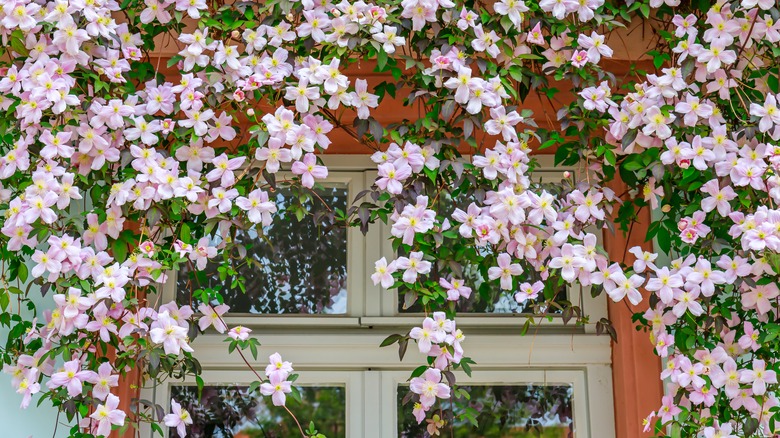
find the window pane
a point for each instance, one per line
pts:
(516, 411)
(486, 297)
(489, 300)
(292, 267)
(229, 412)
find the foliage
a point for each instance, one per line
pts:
(119, 167)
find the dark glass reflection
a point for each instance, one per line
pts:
(517, 411)
(293, 267)
(229, 412)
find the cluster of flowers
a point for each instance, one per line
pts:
(683, 113)
(438, 338)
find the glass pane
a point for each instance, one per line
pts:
(228, 412)
(489, 300)
(485, 297)
(516, 411)
(293, 267)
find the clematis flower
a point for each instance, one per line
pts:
(455, 288)
(212, 315)
(505, 271)
(383, 273)
(276, 387)
(308, 169)
(277, 366)
(239, 333)
(412, 266)
(166, 331)
(759, 376)
(427, 335)
(72, 377)
(108, 415)
(257, 206)
(178, 418)
(429, 386)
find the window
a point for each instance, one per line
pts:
(231, 411)
(330, 320)
(499, 411)
(291, 266)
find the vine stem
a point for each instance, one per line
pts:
(251, 368)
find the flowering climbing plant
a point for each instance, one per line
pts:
(119, 166)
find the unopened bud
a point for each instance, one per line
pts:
(666, 208)
(235, 34)
(250, 112)
(567, 174)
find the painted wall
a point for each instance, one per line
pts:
(33, 422)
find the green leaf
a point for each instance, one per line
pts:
(120, 250)
(381, 60)
(390, 340)
(17, 43)
(772, 81)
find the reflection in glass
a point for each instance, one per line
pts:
(517, 411)
(488, 299)
(229, 412)
(292, 267)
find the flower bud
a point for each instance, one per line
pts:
(238, 96)
(666, 208)
(235, 34)
(684, 164)
(567, 174)
(250, 112)
(683, 224)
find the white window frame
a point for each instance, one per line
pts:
(344, 349)
(576, 378)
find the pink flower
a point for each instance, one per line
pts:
(529, 292)
(750, 339)
(391, 178)
(455, 288)
(567, 262)
(103, 381)
(727, 377)
(257, 206)
(107, 415)
(171, 335)
(719, 198)
(309, 170)
(276, 387)
(28, 386)
(429, 386)
(72, 377)
(212, 315)
(505, 270)
(579, 58)
(102, 323)
(239, 333)
(760, 297)
(412, 266)
(202, 252)
(419, 412)
(277, 366)
(73, 303)
(759, 376)
(668, 409)
(223, 169)
(178, 418)
(383, 273)
(427, 335)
